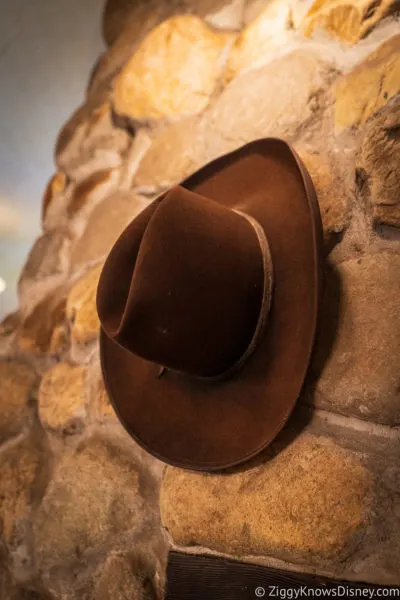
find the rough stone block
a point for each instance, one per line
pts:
(44, 269)
(63, 399)
(127, 575)
(8, 332)
(53, 191)
(93, 497)
(100, 405)
(89, 142)
(104, 226)
(349, 20)
(306, 504)
(173, 156)
(378, 164)
(43, 330)
(17, 384)
(356, 363)
(332, 183)
(81, 309)
(24, 474)
(91, 191)
(253, 45)
(138, 17)
(369, 86)
(247, 110)
(160, 80)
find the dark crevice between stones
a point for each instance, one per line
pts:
(393, 132)
(332, 240)
(361, 180)
(122, 122)
(327, 328)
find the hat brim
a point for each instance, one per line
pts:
(208, 426)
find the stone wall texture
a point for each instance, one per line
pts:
(84, 512)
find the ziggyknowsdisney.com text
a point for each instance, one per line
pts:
(341, 591)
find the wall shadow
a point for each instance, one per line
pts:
(324, 344)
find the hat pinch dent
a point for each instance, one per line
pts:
(264, 310)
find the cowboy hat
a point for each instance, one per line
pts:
(208, 304)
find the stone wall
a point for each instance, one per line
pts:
(84, 512)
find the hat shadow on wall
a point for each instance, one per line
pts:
(324, 345)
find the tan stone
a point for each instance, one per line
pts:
(63, 398)
(140, 145)
(308, 501)
(54, 188)
(7, 587)
(356, 365)
(9, 324)
(126, 575)
(369, 86)
(109, 65)
(36, 332)
(259, 103)
(349, 20)
(173, 156)
(226, 15)
(20, 468)
(59, 339)
(298, 12)
(73, 127)
(93, 498)
(253, 45)
(144, 16)
(141, 16)
(91, 191)
(102, 73)
(252, 10)
(8, 333)
(70, 210)
(100, 405)
(378, 164)
(90, 142)
(105, 224)
(17, 382)
(81, 308)
(45, 268)
(332, 185)
(46, 257)
(54, 220)
(173, 73)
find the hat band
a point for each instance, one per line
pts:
(264, 310)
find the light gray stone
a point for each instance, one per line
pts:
(97, 496)
(104, 226)
(275, 100)
(356, 363)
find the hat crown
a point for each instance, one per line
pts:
(190, 295)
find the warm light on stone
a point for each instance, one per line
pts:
(173, 73)
(349, 20)
(369, 86)
(16, 391)
(85, 511)
(54, 188)
(81, 308)
(254, 44)
(276, 508)
(66, 383)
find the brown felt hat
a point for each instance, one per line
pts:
(208, 304)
